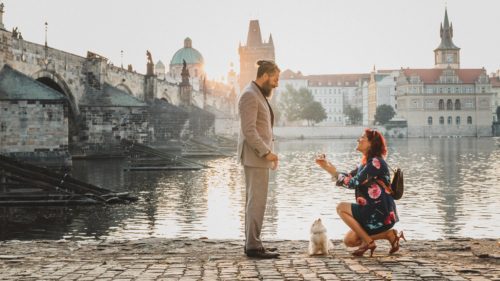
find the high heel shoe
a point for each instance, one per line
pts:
(361, 250)
(395, 243)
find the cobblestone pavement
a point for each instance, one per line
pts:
(203, 259)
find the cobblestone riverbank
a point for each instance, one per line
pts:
(204, 259)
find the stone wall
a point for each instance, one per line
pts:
(318, 132)
(35, 130)
(167, 122)
(105, 127)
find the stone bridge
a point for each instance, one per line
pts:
(68, 73)
(108, 103)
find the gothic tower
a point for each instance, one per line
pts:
(447, 54)
(254, 50)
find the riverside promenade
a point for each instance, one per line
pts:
(204, 259)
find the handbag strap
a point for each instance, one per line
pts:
(387, 189)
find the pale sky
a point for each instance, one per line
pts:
(314, 36)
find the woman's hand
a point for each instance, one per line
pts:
(325, 165)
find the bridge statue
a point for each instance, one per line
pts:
(150, 65)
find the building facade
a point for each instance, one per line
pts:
(445, 100)
(333, 91)
(381, 91)
(495, 87)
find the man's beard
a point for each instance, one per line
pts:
(267, 89)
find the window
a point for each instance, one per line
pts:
(457, 120)
(429, 120)
(450, 120)
(457, 104)
(441, 104)
(441, 120)
(469, 120)
(449, 105)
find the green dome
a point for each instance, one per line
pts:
(188, 53)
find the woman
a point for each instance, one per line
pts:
(374, 213)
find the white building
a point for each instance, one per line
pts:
(333, 91)
(381, 91)
(495, 88)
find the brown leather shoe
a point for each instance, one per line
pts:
(261, 254)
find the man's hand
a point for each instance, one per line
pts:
(273, 158)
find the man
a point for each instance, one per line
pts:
(255, 151)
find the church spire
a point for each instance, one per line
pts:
(271, 42)
(254, 37)
(446, 34)
(447, 54)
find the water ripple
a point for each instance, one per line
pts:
(452, 189)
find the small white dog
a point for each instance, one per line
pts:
(319, 244)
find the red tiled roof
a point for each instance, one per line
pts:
(431, 75)
(289, 74)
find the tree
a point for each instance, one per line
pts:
(384, 113)
(354, 114)
(300, 105)
(276, 110)
(314, 113)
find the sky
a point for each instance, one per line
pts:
(313, 36)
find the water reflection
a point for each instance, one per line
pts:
(451, 190)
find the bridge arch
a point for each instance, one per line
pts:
(124, 87)
(56, 82)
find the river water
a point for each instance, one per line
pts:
(452, 189)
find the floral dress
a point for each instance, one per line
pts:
(374, 209)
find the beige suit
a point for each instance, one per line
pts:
(255, 140)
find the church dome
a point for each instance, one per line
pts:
(188, 53)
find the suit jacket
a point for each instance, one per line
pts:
(256, 133)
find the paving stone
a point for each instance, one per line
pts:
(146, 260)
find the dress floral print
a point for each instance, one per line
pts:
(374, 209)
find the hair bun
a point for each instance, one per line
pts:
(261, 62)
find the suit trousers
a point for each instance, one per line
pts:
(257, 182)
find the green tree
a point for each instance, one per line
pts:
(276, 110)
(292, 102)
(354, 114)
(300, 105)
(384, 113)
(314, 113)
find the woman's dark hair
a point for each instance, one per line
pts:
(378, 147)
(266, 66)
